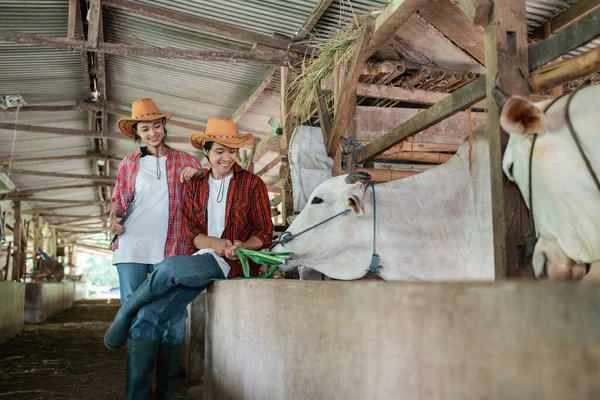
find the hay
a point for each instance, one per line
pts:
(328, 53)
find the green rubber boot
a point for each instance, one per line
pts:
(141, 358)
(167, 365)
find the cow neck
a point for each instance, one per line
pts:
(531, 236)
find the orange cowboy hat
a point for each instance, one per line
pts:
(141, 110)
(223, 131)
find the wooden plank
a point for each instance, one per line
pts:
(204, 24)
(478, 11)
(458, 101)
(312, 20)
(72, 20)
(324, 116)
(16, 196)
(419, 156)
(94, 178)
(416, 96)
(94, 23)
(449, 19)
(506, 58)
(65, 206)
(273, 58)
(30, 192)
(348, 96)
(269, 166)
(56, 108)
(573, 36)
(78, 132)
(393, 16)
(565, 71)
(18, 254)
(385, 175)
(34, 160)
(287, 208)
(566, 18)
(255, 94)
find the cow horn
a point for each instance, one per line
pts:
(500, 97)
(361, 177)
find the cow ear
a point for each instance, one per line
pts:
(353, 202)
(522, 117)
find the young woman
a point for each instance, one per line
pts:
(223, 210)
(146, 215)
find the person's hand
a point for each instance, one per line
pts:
(115, 223)
(220, 246)
(230, 251)
(188, 173)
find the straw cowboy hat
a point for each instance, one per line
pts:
(223, 131)
(141, 111)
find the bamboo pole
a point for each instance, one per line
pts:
(565, 71)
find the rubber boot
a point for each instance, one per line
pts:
(141, 358)
(117, 333)
(167, 365)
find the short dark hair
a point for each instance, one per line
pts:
(207, 145)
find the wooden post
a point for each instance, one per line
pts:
(36, 238)
(53, 242)
(17, 242)
(507, 66)
(24, 241)
(287, 206)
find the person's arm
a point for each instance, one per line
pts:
(116, 206)
(220, 246)
(260, 218)
(193, 170)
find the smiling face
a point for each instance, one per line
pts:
(221, 158)
(151, 133)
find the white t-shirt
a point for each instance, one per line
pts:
(143, 240)
(217, 205)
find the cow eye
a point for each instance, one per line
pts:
(316, 200)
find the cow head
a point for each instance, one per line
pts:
(338, 239)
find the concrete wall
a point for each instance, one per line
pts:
(192, 351)
(80, 291)
(288, 339)
(12, 301)
(43, 300)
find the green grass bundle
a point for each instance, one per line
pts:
(261, 258)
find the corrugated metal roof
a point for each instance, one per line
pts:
(265, 16)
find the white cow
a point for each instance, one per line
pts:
(566, 200)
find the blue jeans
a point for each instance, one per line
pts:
(179, 279)
(131, 276)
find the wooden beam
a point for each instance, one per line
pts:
(203, 24)
(573, 36)
(478, 11)
(419, 156)
(276, 57)
(94, 23)
(255, 94)
(82, 204)
(78, 132)
(14, 196)
(458, 101)
(348, 95)
(17, 239)
(393, 16)
(60, 175)
(72, 20)
(565, 71)
(269, 166)
(385, 175)
(79, 216)
(416, 96)
(31, 192)
(274, 189)
(507, 61)
(324, 116)
(449, 19)
(113, 107)
(66, 107)
(566, 18)
(35, 160)
(312, 20)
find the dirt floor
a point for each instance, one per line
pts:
(65, 358)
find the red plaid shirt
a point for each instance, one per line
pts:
(176, 161)
(248, 212)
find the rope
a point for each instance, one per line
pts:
(375, 259)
